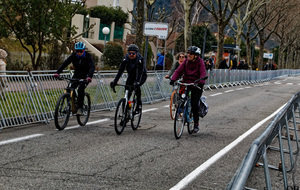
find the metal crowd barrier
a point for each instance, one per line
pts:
(31, 97)
(284, 127)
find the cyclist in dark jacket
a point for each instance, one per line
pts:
(84, 69)
(192, 68)
(136, 69)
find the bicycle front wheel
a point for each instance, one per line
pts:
(179, 120)
(62, 111)
(136, 118)
(120, 116)
(86, 109)
(174, 104)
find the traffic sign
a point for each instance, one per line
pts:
(268, 55)
(156, 29)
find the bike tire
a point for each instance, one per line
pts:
(62, 111)
(179, 120)
(83, 119)
(120, 116)
(136, 118)
(173, 104)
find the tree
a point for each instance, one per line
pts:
(240, 18)
(288, 36)
(266, 20)
(140, 21)
(37, 22)
(187, 6)
(197, 39)
(222, 15)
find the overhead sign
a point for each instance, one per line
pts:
(268, 55)
(156, 29)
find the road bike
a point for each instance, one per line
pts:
(184, 114)
(127, 111)
(67, 104)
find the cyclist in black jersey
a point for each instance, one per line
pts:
(84, 69)
(135, 66)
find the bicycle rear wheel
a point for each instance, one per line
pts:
(83, 119)
(62, 111)
(179, 120)
(136, 118)
(120, 116)
(174, 104)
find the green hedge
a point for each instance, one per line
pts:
(112, 55)
(109, 15)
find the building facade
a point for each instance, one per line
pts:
(95, 35)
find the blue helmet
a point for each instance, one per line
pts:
(79, 46)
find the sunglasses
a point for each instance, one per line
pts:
(191, 53)
(131, 53)
(79, 51)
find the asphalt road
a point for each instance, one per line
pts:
(95, 157)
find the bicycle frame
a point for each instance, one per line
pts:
(187, 102)
(127, 99)
(72, 91)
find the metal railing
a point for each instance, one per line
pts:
(31, 97)
(285, 120)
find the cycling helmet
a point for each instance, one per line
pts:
(133, 47)
(193, 49)
(79, 46)
(198, 51)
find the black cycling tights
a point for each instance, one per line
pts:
(81, 88)
(196, 94)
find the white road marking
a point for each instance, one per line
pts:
(216, 94)
(229, 91)
(102, 120)
(166, 106)
(149, 110)
(240, 89)
(98, 121)
(289, 83)
(193, 175)
(248, 87)
(72, 127)
(20, 139)
(88, 123)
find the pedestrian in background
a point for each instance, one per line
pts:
(160, 61)
(212, 60)
(233, 63)
(223, 64)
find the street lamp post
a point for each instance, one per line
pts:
(105, 31)
(204, 41)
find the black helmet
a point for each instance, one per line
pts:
(193, 49)
(133, 47)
